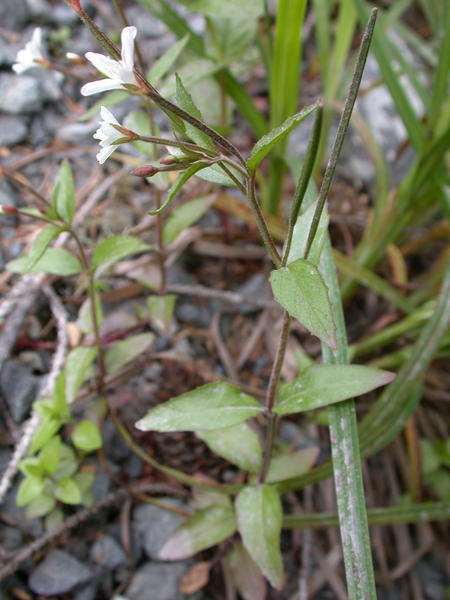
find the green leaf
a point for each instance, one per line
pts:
(184, 101)
(268, 141)
(40, 506)
(47, 428)
(123, 352)
(246, 574)
(26, 262)
(55, 261)
(60, 409)
(178, 184)
(322, 385)
(78, 363)
(29, 489)
(109, 100)
(259, 516)
(210, 406)
(67, 491)
(300, 237)
(84, 481)
(294, 464)
(250, 9)
(64, 194)
(160, 309)
(237, 443)
(215, 174)
(115, 248)
(184, 216)
(84, 320)
(67, 465)
(163, 64)
(300, 289)
(50, 453)
(86, 436)
(230, 38)
(31, 466)
(204, 529)
(54, 519)
(430, 458)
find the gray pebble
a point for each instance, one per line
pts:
(107, 552)
(155, 526)
(159, 579)
(58, 573)
(12, 130)
(19, 388)
(19, 95)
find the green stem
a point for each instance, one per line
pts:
(261, 223)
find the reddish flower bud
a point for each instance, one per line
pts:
(146, 171)
(75, 4)
(9, 210)
(167, 160)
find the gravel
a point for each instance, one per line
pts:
(155, 526)
(58, 573)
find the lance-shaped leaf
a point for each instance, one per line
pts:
(238, 443)
(163, 64)
(300, 236)
(259, 515)
(123, 352)
(208, 407)
(246, 574)
(322, 385)
(184, 100)
(268, 141)
(115, 248)
(64, 193)
(56, 261)
(160, 310)
(27, 261)
(300, 289)
(78, 363)
(178, 184)
(204, 529)
(289, 466)
(184, 216)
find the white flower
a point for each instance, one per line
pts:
(107, 134)
(31, 55)
(118, 72)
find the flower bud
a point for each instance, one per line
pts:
(168, 160)
(75, 4)
(145, 171)
(7, 209)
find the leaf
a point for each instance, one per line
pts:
(115, 248)
(67, 465)
(300, 289)
(259, 516)
(160, 309)
(64, 194)
(123, 352)
(67, 491)
(26, 262)
(47, 428)
(55, 261)
(29, 489)
(205, 498)
(250, 9)
(215, 174)
(31, 466)
(300, 237)
(86, 436)
(184, 101)
(178, 184)
(40, 506)
(322, 385)
(268, 141)
(78, 363)
(246, 574)
(54, 520)
(163, 64)
(294, 464)
(196, 578)
(84, 321)
(50, 453)
(84, 481)
(231, 37)
(208, 407)
(184, 216)
(204, 529)
(237, 443)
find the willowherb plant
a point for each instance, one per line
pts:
(232, 423)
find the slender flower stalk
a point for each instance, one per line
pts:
(32, 55)
(120, 74)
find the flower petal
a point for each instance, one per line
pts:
(104, 64)
(102, 85)
(107, 116)
(127, 38)
(104, 154)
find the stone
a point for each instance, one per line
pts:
(19, 95)
(12, 130)
(32, 527)
(19, 388)
(162, 579)
(76, 133)
(155, 525)
(58, 573)
(108, 553)
(13, 14)
(49, 84)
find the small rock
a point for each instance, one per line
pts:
(8, 53)
(87, 592)
(155, 525)
(75, 133)
(255, 287)
(58, 573)
(19, 388)
(12, 130)
(49, 84)
(198, 314)
(161, 578)
(108, 553)
(19, 95)
(10, 538)
(13, 14)
(32, 527)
